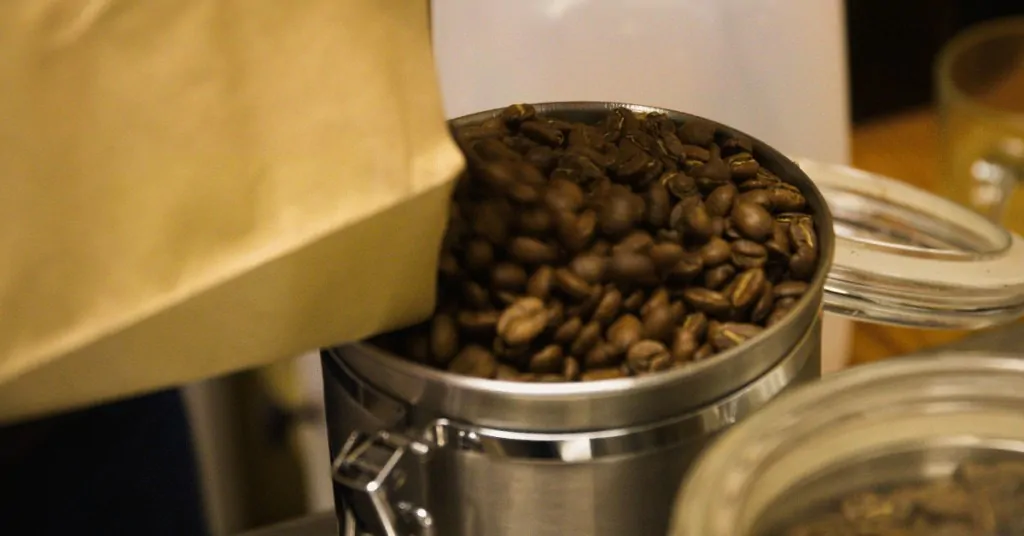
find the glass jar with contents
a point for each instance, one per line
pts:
(917, 446)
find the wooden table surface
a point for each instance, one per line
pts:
(904, 146)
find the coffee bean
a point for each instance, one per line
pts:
(602, 355)
(568, 331)
(491, 149)
(666, 255)
(635, 242)
(684, 346)
(591, 268)
(572, 284)
(757, 197)
(508, 276)
(696, 132)
(704, 352)
(658, 205)
(570, 368)
(715, 252)
(625, 332)
(474, 361)
(548, 360)
(778, 245)
(697, 220)
(801, 234)
(715, 171)
(748, 288)
(556, 314)
(696, 324)
(658, 298)
(476, 296)
(507, 373)
(719, 201)
(658, 323)
(618, 214)
(608, 308)
(539, 284)
(521, 322)
(588, 337)
(752, 221)
(732, 334)
(787, 198)
(543, 133)
(517, 113)
(764, 304)
(532, 251)
(492, 226)
(444, 338)
(791, 289)
(602, 374)
(632, 268)
(803, 263)
(576, 232)
(634, 301)
(706, 301)
(679, 184)
(695, 154)
(688, 267)
(748, 254)
(478, 323)
(717, 277)
(648, 356)
(742, 165)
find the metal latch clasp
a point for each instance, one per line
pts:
(383, 477)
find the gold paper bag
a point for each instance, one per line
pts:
(192, 187)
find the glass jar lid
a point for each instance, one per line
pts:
(908, 257)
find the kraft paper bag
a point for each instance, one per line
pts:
(193, 187)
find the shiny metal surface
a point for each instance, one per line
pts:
(486, 481)
(610, 403)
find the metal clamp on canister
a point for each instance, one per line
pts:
(382, 477)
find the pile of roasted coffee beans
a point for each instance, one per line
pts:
(979, 500)
(627, 246)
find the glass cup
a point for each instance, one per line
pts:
(980, 81)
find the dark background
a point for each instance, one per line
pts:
(893, 45)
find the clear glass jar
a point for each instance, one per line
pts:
(887, 424)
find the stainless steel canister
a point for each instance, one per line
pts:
(419, 451)
(884, 426)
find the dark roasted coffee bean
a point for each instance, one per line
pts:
(748, 288)
(618, 214)
(731, 335)
(581, 166)
(742, 165)
(632, 268)
(715, 170)
(475, 296)
(588, 337)
(523, 193)
(539, 284)
(696, 154)
(697, 220)
(749, 254)
(571, 368)
(791, 289)
(718, 224)
(689, 267)
(517, 113)
(535, 221)
(666, 255)
(602, 374)
(786, 198)
(716, 251)
(719, 201)
(801, 234)
(532, 251)
(556, 314)
(778, 245)
(658, 298)
(542, 132)
(492, 149)
(576, 232)
(542, 157)
(684, 346)
(568, 331)
(590, 268)
(444, 338)
(474, 361)
(625, 332)
(548, 360)
(563, 196)
(717, 277)
(479, 323)
(752, 221)
(508, 276)
(634, 301)
(737, 143)
(704, 352)
(648, 356)
(706, 301)
(572, 284)
(635, 242)
(490, 224)
(479, 254)
(507, 373)
(776, 316)
(803, 263)
(696, 324)
(601, 248)
(757, 197)
(499, 175)
(601, 356)
(658, 205)
(448, 266)
(764, 304)
(658, 323)
(673, 145)
(697, 132)
(679, 184)
(608, 308)
(521, 322)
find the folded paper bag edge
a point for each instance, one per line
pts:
(270, 313)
